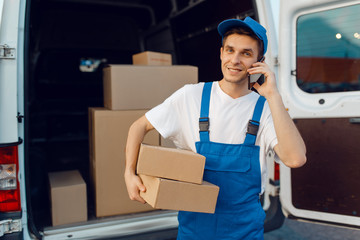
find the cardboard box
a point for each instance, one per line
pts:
(152, 58)
(108, 135)
(171, 163)
(175, 195)
(129, 87)
(68, 197)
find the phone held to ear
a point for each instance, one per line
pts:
(256, 78)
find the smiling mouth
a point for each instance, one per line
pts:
(235, 70)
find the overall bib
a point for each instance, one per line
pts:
(235, 168)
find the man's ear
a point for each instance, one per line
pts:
(221, 51)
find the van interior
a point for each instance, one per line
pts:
(68, 42)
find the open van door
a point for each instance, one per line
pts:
(319, 79)
(10, 120)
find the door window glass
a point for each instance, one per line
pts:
(328, 50)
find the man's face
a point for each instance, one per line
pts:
(238, 53)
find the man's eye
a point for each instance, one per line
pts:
(229, 50)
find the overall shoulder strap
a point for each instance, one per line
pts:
(254, 123)
(204, 113)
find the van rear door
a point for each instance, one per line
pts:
(10, 143)
(8, 71)
(319, 79)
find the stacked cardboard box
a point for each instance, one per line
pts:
(129, 92)
(67, 197)
(173, 180)
(108, 134)
(171, 163)
(129, 87)
(152, 58)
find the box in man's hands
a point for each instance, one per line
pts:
(171, 163)
(175, 195)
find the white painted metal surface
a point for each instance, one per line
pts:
(9, 15)
(20, 108)
(1, 10)
(268, 19)
(300, 103)
(305, 105)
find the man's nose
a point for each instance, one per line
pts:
(236, 59)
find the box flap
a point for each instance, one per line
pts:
(65, 178)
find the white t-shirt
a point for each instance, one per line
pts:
(177, 118)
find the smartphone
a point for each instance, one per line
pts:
(253, 78)
(256, 78)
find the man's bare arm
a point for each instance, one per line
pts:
(136, 135)
(291, 147)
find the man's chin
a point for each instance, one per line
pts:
(236, 80)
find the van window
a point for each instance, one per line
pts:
(328, 50)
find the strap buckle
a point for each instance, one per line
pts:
(204, 124)
(253, 127)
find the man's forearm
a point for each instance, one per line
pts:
(291, 147)
(136, 135)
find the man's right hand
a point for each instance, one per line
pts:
(134, 185)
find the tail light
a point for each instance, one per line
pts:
(9, 184)
(276, 172)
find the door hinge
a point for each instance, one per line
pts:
(6, 52)
(10, 226)
(19, 117)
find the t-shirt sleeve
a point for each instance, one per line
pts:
(165, 116)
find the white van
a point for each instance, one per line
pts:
(51, 57)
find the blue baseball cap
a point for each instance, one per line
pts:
(248, 22)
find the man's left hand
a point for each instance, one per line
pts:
(268, 88)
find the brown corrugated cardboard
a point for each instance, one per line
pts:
(175, 195)
(152, 58)
(171, 163)
(108, 135)
(68, 197)
(143, 87)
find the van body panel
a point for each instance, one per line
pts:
(268, 20)
(324, 116)
(11, 105)
(9, 15)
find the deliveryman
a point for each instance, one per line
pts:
(233, 127)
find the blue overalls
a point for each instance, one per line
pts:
(235, 168)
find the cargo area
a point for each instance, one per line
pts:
(69, 43)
